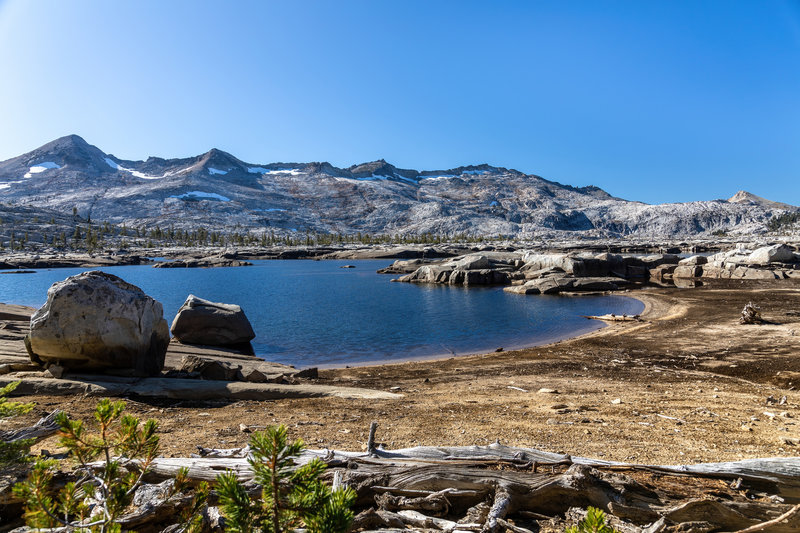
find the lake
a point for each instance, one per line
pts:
(314, 313)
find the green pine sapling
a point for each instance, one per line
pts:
(593, 522)
(104, 490)
(13, 453)
(291, 495)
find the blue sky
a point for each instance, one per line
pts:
(655, 101)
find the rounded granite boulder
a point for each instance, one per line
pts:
(200, 321)
(97, 321)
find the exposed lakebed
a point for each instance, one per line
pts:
(309, 313)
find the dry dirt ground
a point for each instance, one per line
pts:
(687, 384)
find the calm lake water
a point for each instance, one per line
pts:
(309, 313)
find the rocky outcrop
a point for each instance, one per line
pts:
(556, 285)
(402, 266)
(200, 321)
(687, 271)
(732, 271)
(205, 262)
(97, 321)
(471, 269)
(765, 263)
(694, 260)
(394, 252)
(662, 273)
(553, 273)
(541, 273)
(68, 260)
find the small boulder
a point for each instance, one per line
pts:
(210, 368)
(97, 321)
(200, 321)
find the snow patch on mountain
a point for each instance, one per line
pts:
(41, 167)
(213, 171)
(290, 171)
(201, 195)
(110, 162)
(143, 176)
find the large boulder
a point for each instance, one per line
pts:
(200, 321)
(97, 321)
(779, 253)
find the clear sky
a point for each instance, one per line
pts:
(651, 100)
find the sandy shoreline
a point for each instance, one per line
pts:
(692, 384)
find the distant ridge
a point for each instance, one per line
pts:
(218, 190)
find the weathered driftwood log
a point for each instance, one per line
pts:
(615, 318)
(44, 427)
(763, 526)
(435, 503)
(500, 488)
(751, 314)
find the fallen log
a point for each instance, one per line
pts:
(44, 427)
(771, 523)
(523, 485)
(614, 318)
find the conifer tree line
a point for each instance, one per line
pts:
(93, 236)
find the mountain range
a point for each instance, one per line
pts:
(217, 190)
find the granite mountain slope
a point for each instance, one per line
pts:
(217, 190)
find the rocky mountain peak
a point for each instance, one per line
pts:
(216, 155)
(68, 151)
(217, 161)
(67, 141)
(748, 198)
(379, 167)
(743, 197)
